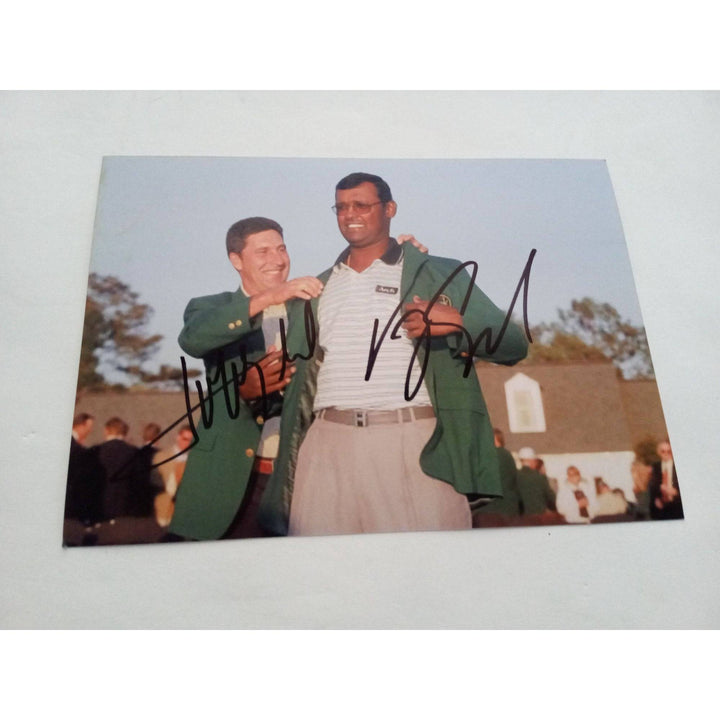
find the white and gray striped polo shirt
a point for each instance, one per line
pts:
(348, 307)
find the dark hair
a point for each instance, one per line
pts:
(150, 432)
(81, 419)
(354, 179)
(117, 426)
(242, 229)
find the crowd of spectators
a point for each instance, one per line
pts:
(530, 497)
(117, 492)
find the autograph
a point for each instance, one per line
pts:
(230, 386)
(423, 342)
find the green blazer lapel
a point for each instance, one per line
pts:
(413, 260)
(413, 263)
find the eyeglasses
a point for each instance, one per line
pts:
(359, 207)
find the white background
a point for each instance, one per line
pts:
(664, 161)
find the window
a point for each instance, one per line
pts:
(524, 403)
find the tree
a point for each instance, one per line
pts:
(166, 378)
(114, 336)
(590, 331)
(94, 328)
(552, 345)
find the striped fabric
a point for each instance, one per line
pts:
(270, 436)
(349, 305)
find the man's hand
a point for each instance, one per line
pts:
(443, 320)
(270, 365)
(304, 288)
(412, 240)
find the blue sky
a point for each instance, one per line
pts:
(161, 224)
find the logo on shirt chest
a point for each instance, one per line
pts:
(386, 289)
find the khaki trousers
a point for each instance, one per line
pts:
(368, 479)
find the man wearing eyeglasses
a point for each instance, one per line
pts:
(368, 443)
(227, 469)
(664, 491)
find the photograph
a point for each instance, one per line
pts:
(335, 346)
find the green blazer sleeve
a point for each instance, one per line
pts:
(489, 333)
(214, 321)
(461, 450)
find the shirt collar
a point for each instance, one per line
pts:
(271, 311)
(392, 255)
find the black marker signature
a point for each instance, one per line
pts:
(423, 341)
(230, 387)
(234, 382)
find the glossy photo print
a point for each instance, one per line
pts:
(292, 347)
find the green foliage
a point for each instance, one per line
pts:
(562, 348)
(588, 331)
(93, 330)
(167, 377)
(114, 335)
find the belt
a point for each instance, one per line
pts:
(363, 418)
(263, 465)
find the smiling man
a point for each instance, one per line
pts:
(370, 443)
(227, 469)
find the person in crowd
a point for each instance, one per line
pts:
(552, 481)
(640, 473)
(372, 439)
(609, 501)
(500, 511)
(537, 500)
(150, 433)
(170, 466)
(576, 499)
(83, 495)
(127, 490)
(665, 502)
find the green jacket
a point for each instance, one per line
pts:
(536, 495)
(461, 450)
(218, 329)
(509, 503)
